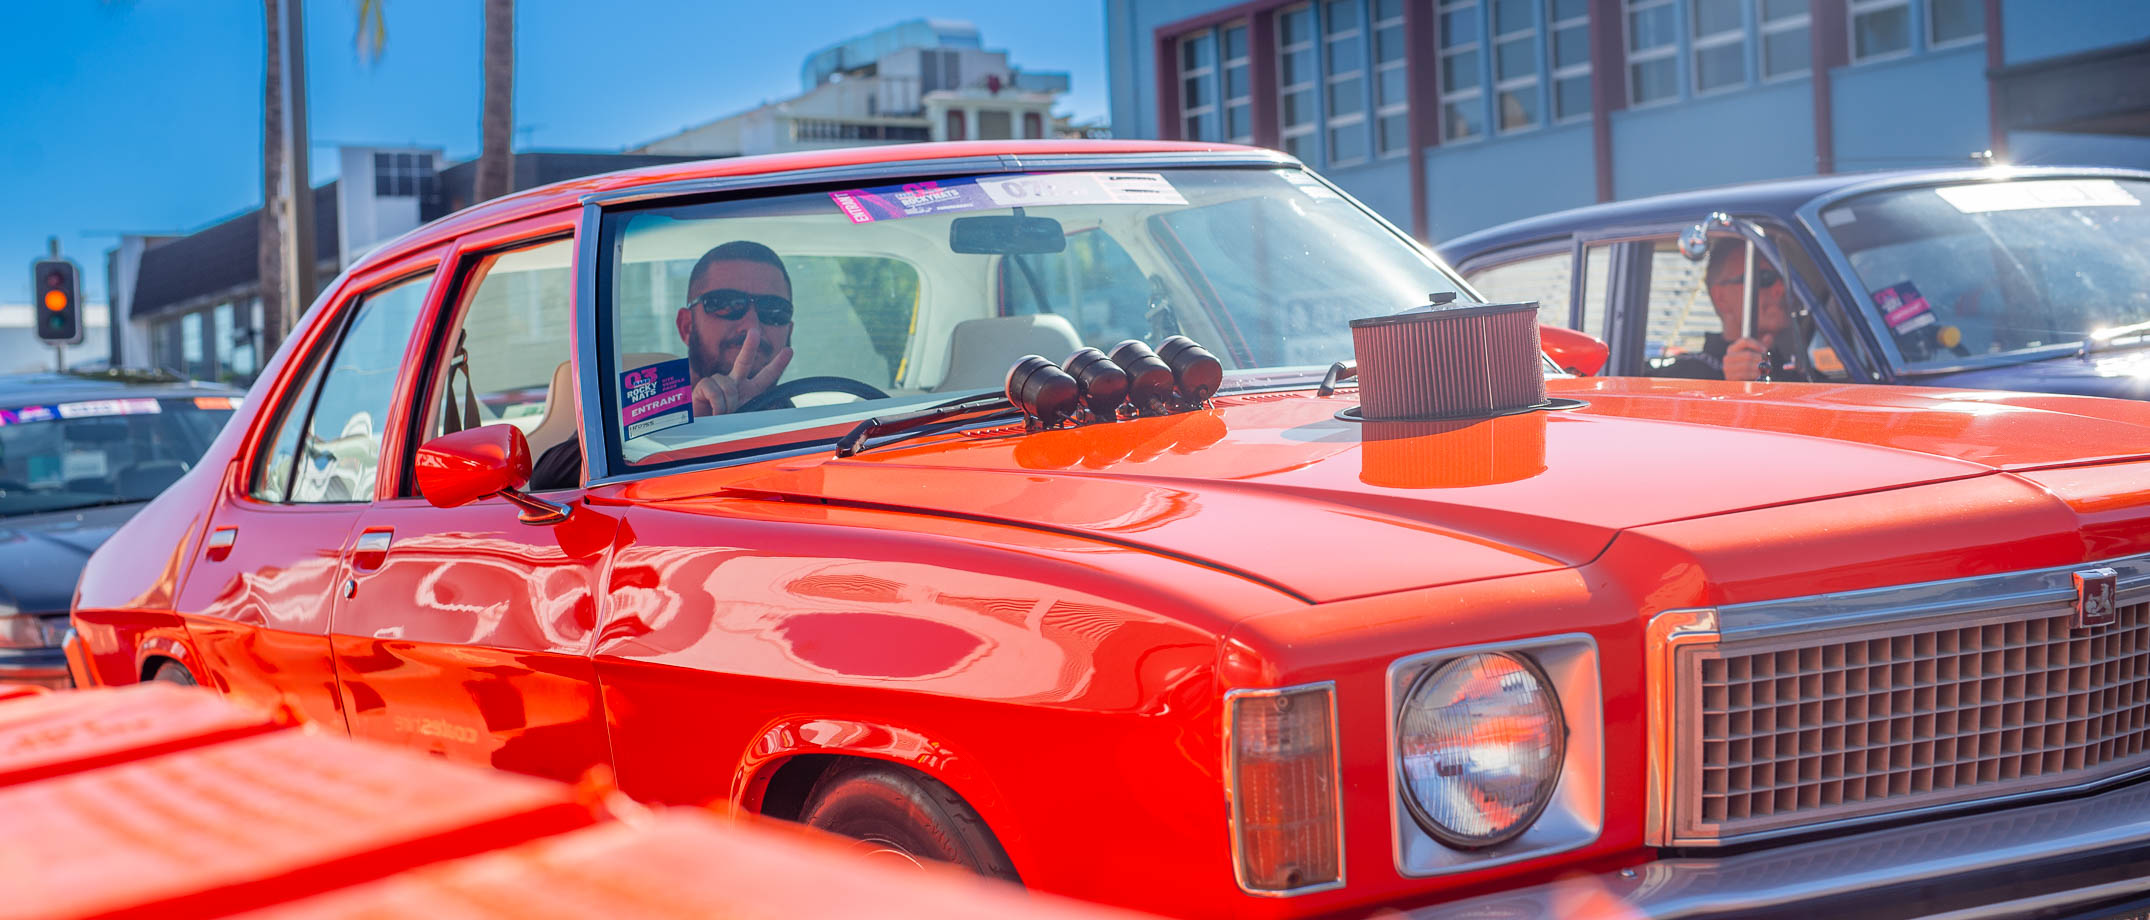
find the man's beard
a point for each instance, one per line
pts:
(706, 362)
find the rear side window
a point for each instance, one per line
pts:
(339, 446)
(1546, 279)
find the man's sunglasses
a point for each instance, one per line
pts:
(726, 303)
(1762, 278)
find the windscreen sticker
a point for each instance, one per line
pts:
(28, 414)
(1904, 308)
(2045, 193)
(96, 407)
(1309, 186)
(656, 397)
(216, 402)
(918, 199)
(83, 464)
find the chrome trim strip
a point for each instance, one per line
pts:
(1231, 788)
(1662, 639)
(899, 169)
(1956, 853)
(595, 454)
(1582, 707)
(1979, 593)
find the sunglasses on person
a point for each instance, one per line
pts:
(1762, 278)
(726, 303)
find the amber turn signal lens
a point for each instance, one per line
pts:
(1286, 815)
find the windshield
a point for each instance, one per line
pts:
(2017, 268)
(101, 451)
(865, 301)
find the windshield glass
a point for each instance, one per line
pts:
(2018, 268)
(861, 302)
(101, 451)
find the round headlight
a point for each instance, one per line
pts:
(1479, 746)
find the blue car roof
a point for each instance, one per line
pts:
(48, 388)
(1780, 198)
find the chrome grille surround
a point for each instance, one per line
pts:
(1782, 717)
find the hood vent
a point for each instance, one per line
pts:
(1457, 363)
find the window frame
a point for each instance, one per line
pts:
(1331, 122)
(1225, 66)
(1476, 95)
(1286, 131)
(1189, 114)
(1853, 9)
(1382, 111)
(1697, 43)
(1634, 56)
(1555, 73)
(1764, 27)
(1534, 82)
(1934, 44)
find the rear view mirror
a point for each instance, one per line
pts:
(1575, 352)
(1006, 235)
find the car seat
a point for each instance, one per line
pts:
(980, 351)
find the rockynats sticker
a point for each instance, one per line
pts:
(656, 397)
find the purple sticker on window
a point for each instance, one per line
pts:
(1904, 308)
(866, 205)
(656, 397)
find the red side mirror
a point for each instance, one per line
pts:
(1575, 352)
(459, 468)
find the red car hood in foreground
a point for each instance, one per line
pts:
(1276, 488)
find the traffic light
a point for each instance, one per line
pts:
(57, 304)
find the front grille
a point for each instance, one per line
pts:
(1778, 733)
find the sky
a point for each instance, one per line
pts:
(145, 116)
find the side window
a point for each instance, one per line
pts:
(342, 449)
(1544, 278)
(507, 362)
(1094, 284)
(1679, 317)
(1597, 281)
(272, 469)
(1687, 315)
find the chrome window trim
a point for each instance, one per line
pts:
(1999, 593)
(901, 169)
(1231, 787)
(1809, 215)
(1582, 707)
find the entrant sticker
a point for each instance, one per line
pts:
(28, 414)
(656, 397)
(96, 407)
(1904, 308)
(918, 199)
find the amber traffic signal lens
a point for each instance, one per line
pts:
(55, 300)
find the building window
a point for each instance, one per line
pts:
(995, 125)
(1392, 96)
(1462, 94)
(955, 124)
(1296, 80)
(1515, 64)
(1653, 40)
(1569, 23)
(402, 175)
(1880, 29)
(1786, 44)
(1344, 54)
(1952, 22)
(1033, 125)
(1720, 45)
(1238, 87)
(1198, 86)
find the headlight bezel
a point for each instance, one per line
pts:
(1425, 819)
(1575, 815)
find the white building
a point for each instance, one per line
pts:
(22, 352)
(922, 80)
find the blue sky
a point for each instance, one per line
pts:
(145, 116)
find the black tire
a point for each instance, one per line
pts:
(893, 812)
(173, 672)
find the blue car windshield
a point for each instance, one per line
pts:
(2021, 268)
(66, 455)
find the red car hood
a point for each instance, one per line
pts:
(1277, 488)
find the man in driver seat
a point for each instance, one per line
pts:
(736, 324)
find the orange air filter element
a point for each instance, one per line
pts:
(254, 822)
(1462, 362)
(51, 734)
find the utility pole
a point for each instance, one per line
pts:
(301, 292)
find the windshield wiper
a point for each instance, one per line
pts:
(982, 406)
(2102, 340)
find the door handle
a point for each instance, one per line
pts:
(218, 548)
(371, 550)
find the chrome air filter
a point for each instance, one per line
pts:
(1464, 362)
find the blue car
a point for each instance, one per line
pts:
(80, 453)
(2032, 279)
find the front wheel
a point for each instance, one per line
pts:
(900, 816)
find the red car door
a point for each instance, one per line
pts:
(259, 596)
(467, 632)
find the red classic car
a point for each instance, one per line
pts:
(745, 481)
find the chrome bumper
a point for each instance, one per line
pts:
(2051, 857)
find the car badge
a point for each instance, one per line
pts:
(2095, 605)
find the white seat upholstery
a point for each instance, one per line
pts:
(980, 351)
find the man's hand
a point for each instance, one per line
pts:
(720, 394)
(1743, 360)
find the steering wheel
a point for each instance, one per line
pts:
(783, 392)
